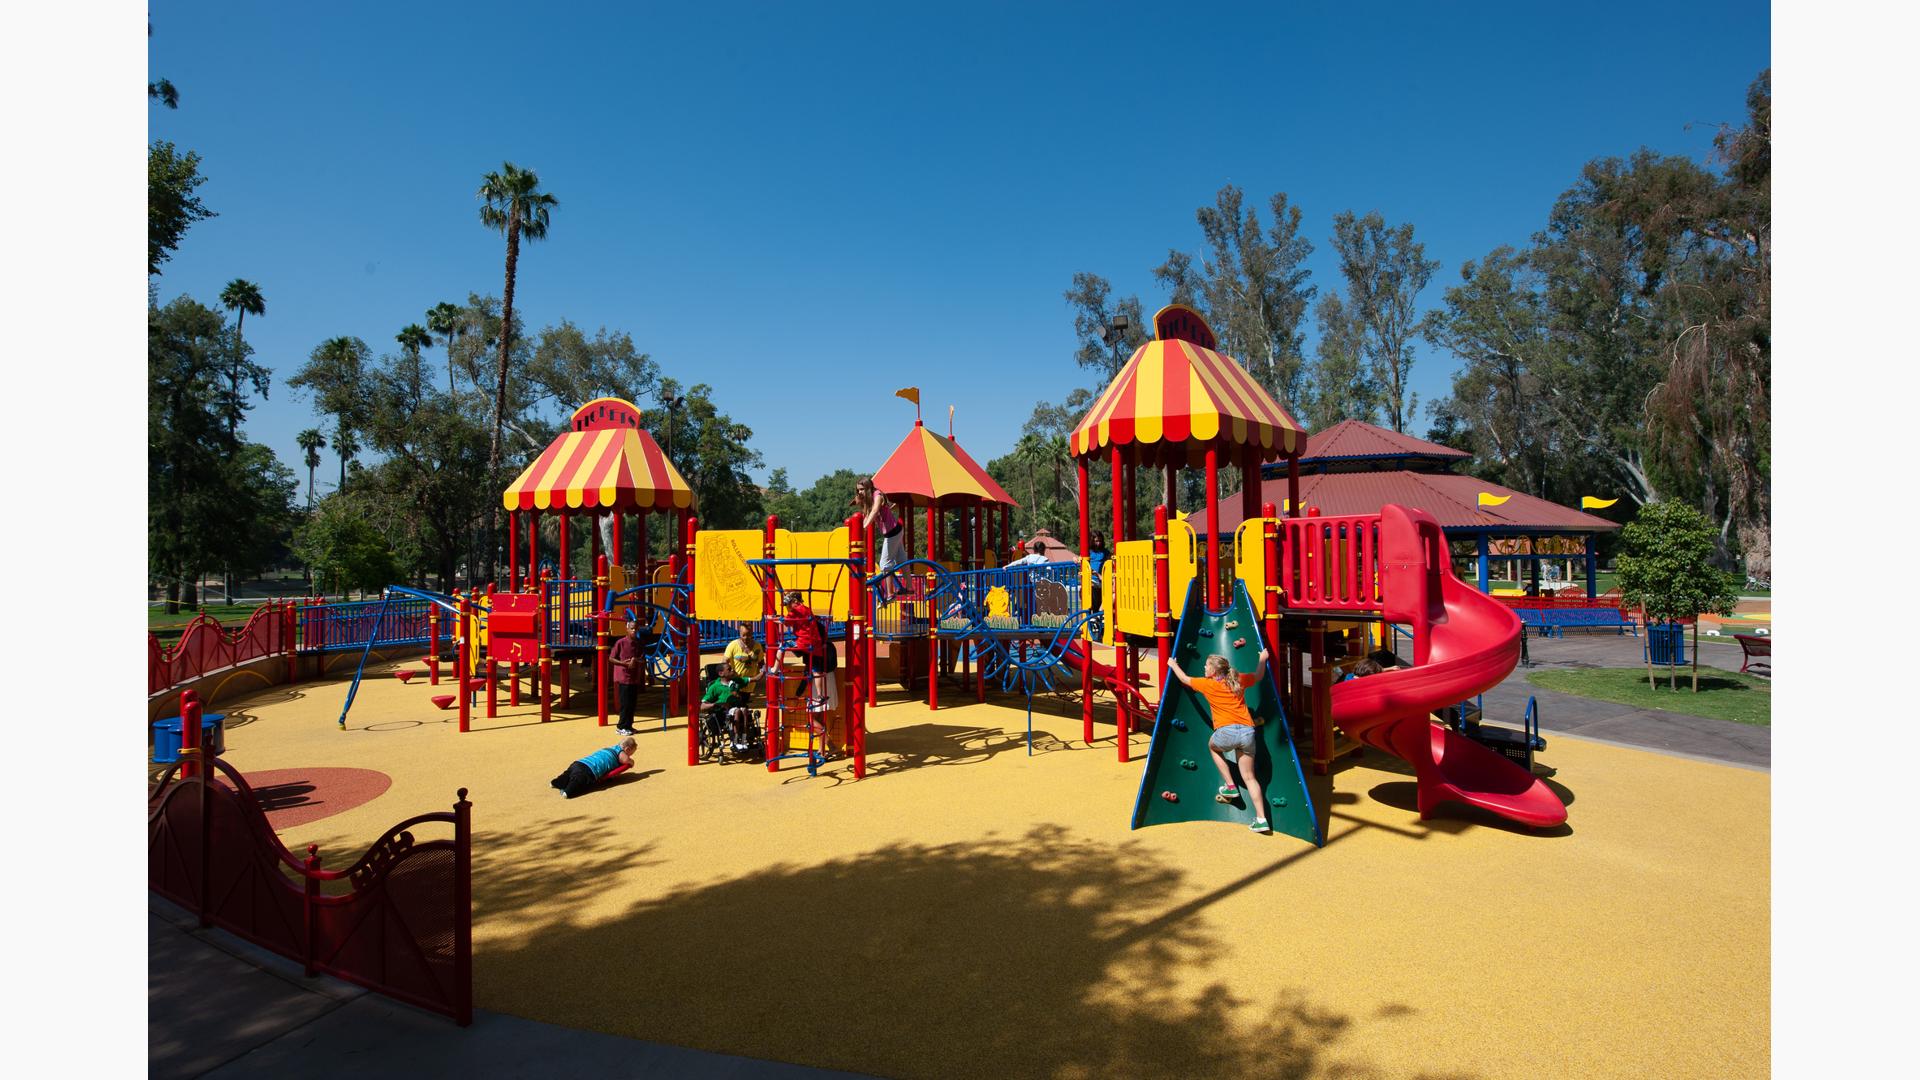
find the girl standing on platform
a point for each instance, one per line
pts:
(877, 514)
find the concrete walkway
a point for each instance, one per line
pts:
(220, 1007)
(1695, 736)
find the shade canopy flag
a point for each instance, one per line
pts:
(928, 468)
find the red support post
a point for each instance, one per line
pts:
(513, 551)
(1086, 636)
(1270, 544)
(1213, 528)
(933, 613)
(618, 548)
(566, 546)
(674, 624)
(293, 643)
(871, 657)
(693, 650)
(601, 673)
(462, 662)
(1293, 486)
(533, 549)
(1162, 597)
(493, 686)
(981, 562)
(854, 697)
(640, 542)
(546, 649)
(191, 712)
(775, 666)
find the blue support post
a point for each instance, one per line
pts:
(1480, 546)
(1592, 568)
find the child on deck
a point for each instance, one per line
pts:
(583, 774)
(1233, 728)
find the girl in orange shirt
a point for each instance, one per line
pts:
(1233, 728)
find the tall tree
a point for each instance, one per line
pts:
(1384, 270)
(1094, 308)
(1495, 323)
(412, 338)
(444, 319)
(712, 451)
(513, 205)
(1252, 287)
(345, 445)
(173, 206)
(213, 499)
(242, 297)
(311, 443)
(1339, 385)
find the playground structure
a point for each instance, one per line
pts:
(1318, 591)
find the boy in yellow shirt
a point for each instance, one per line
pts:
(1234, 728)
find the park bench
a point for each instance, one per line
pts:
(1555, 622)
(1756, 653)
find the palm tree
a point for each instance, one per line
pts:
(344, 445)
(311, 442)
(242, 297)
(413, 337)
(444, 319)
(514, 205)
(1031, 452)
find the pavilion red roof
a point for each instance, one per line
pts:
(1453, 500)
(1358, 439)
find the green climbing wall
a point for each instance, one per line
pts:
(1178, 761)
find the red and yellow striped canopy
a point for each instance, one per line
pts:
(605, 462)
(1176, 396)
(926, 467)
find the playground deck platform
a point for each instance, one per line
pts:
(969, 910)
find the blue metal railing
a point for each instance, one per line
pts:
(361, 624)
(569, 611)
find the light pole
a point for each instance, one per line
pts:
(670, 404)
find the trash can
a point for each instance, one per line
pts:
(166, 737)
(1667, 644)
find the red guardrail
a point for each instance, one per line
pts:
(204, 646)
(1331, 562)
(403, 926)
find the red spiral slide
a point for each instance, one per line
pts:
(1465, 642)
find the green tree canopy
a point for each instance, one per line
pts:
(173, 202)
(1666, 564)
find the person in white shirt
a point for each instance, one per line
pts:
(1036, 554)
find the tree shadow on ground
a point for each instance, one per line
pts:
(1037, 955)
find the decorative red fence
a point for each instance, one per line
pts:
(398, 921)
(204, 647)
(1331, 562)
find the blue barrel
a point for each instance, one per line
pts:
(1667, 644)
(166, 737)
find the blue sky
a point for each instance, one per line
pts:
(811, 209)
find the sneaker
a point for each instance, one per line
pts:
(1227, 794)
(1260, 826)
(626, 731)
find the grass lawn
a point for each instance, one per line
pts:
(1724, 695)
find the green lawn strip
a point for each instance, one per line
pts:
(1724, 695)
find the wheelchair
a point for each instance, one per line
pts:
(733, 735)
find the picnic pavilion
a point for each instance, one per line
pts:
(1355, 468)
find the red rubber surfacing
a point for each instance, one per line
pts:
(297, 796)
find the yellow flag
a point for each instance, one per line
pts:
(1589, 502)
(911, 393)
(1488, 498)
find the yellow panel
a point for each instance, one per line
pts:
(724, 588)
(1106, 603)
(1132, 581)
(813, 581)
(1250, 558)
(1183, 562)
